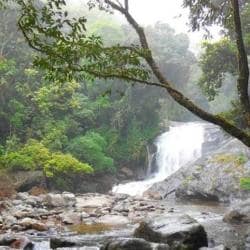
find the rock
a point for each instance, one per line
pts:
(247, 244)
(22, 196)
(133, 244)
(9, 220)
(78, 248)
(69, 198)
(113, 219)
(174, 230)
(16, 242)
(22, 243)
(239, 214)
(152, 195)
(25, 180)
(97, 201)
(121, 208)
(220, 247)
(70, 218)
(62, 242)
(54, 200)
(29, 223)
(128, 173)
(84, 215)
(214, 177)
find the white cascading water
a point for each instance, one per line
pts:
(179, 146)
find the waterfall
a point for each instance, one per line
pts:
(179, 146)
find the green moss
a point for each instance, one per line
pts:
(245, 183)
(187, 180)
(237, 160)
(199, 168)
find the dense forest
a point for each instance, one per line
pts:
(124, 134)
(87, 125)
(63, 124)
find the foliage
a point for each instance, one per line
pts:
(237, 160)
(65, 163)
(218, 59)
(35, 156)
(245, 183)
(91, 148)
(31, 156)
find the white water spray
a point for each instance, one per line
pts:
(179, 146)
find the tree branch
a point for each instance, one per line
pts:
(126, 5)
(175, 94)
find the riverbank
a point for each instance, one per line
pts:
(95, 220)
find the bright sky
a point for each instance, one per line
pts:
(169, 11)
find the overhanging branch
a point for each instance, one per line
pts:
(175, 94)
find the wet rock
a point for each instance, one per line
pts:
(93, 201)
(54, 200)
(152, 195)
(9, 220)
(214, 177)
(121, 197)
(61, 242)
(121, 208)
(126, 173)
(175, 230)
(220, 247)
(239, 214)
(84, 215)
(22, 196)
(64, 242)
(247, 244)
(28, 223)
(22, 243)
(133, 244)
(70, 199)
(16, 242)
(78, 248)
(113, 219)
(70, 218)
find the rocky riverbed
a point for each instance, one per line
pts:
(96, 221)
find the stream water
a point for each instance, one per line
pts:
(180, 145)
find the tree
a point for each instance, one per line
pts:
(219, 62)
(68, 51)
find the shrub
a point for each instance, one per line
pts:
(91, 148)
(35, 156)
(245, 183)
(65, 163)
(32, 156)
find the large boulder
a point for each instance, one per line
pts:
(65, 199)
(133, 244)
(214, 177)
(16, 242)
(176, 230)
(239, 214)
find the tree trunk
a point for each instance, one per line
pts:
(178, 96)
